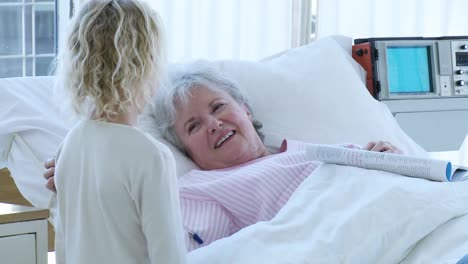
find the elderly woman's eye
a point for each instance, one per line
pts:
(216, 107)
(192, 127)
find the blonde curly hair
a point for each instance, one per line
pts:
(113, 58)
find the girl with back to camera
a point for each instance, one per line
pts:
(116, 186)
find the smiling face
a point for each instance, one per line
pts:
(216, 131)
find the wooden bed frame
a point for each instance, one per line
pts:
(9, 193)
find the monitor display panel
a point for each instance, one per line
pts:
(409, 69)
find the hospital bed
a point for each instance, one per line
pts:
(339, 214)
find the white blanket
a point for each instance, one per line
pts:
(350, 215)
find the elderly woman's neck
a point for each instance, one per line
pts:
(263, 152)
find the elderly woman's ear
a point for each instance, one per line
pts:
(249, 114)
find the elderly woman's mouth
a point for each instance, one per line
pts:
(224, 139)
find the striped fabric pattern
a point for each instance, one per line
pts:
(218, 203)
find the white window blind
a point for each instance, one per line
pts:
(233, 29)
(392, 18)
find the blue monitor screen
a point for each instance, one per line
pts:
(409, 69)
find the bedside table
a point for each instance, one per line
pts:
(23, 234)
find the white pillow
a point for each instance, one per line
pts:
(314, 93)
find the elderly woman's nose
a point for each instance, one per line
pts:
(214, 124)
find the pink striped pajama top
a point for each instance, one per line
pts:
(218, 203)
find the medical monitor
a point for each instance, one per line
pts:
(409, 69)
(414, 67)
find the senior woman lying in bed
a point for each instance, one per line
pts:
(240, 181)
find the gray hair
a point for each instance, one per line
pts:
(182, 79)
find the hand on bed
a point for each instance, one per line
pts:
(49, 174)
(382, 146)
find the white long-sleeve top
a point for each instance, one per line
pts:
(117, 198)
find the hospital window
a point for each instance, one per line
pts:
(28, 37)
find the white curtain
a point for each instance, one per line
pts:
(227, 29)
(392, 18)
(232, 29)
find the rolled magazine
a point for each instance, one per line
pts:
(427, 168)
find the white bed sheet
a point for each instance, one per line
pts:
(350, 215)
(31, 128)
(443, 246)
